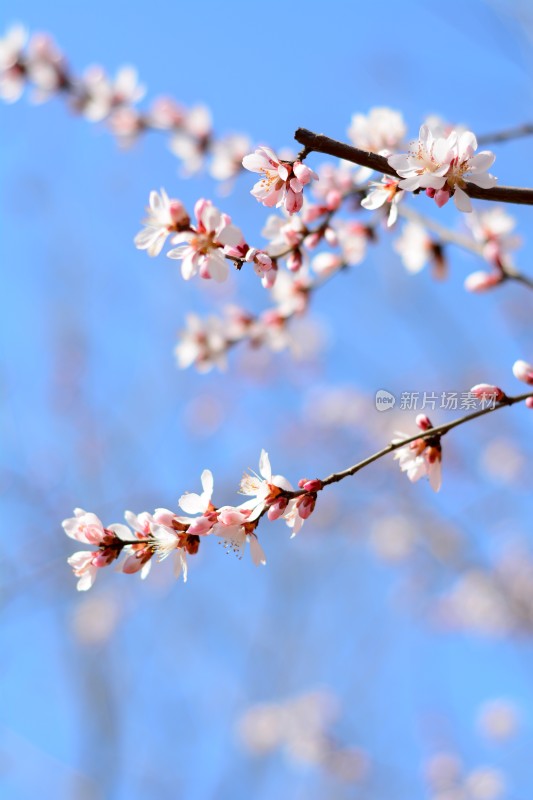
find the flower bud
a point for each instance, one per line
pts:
(523, 371)
(485, 391)
(313, 485)
(423, 422)
(481, 281)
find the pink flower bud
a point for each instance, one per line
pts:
(485, 391)
(277, 508)
(313, 485)
(430, 191)
(529, 402)
(441, 197)
(423, 422)
(523, 371)
(306, 505)
(294, 261)
(481, 281)
(303, 173)
(312, 240)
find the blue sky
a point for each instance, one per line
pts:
(96, 414)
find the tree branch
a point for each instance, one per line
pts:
(319, 143)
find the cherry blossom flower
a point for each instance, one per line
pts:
(384, 192)
(193, 503)
(236, 530)
(382, 129)
(87, 528)
(203, 251)
(165, 216)
(426, 163)
(265, 488)
(421, 458)
(443, 165)
(282, 182)
(139, 555)
(167, 540)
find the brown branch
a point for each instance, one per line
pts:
(323, 144)
(439, 430)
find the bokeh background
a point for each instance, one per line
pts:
(360, 662)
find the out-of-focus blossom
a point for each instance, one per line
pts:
(166, 114)
(384, 192)
(282, 182)
(498, 719)
(492, 229)
(382, 129)
(523, 371)
(353, 238)
(165, 216)
(416, 248)
(203, 249)
(227, 155)
(190, 142)
(202, 343)
(12, 75)
(99, 95)
(45, 67)
(485, 783)
(480, 280)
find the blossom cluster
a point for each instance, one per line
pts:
(164, 532)
(269, 495)
(443, 165)
(36, 61)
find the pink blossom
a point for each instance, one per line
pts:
(165, 216)
(421, 458)
(282, 182)
(386, 191)
(193, 503)
(139, 555)
(227, 155)
(236, 530)
(265, 488)
(443, 165)
(204, 248)
(86, 527)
